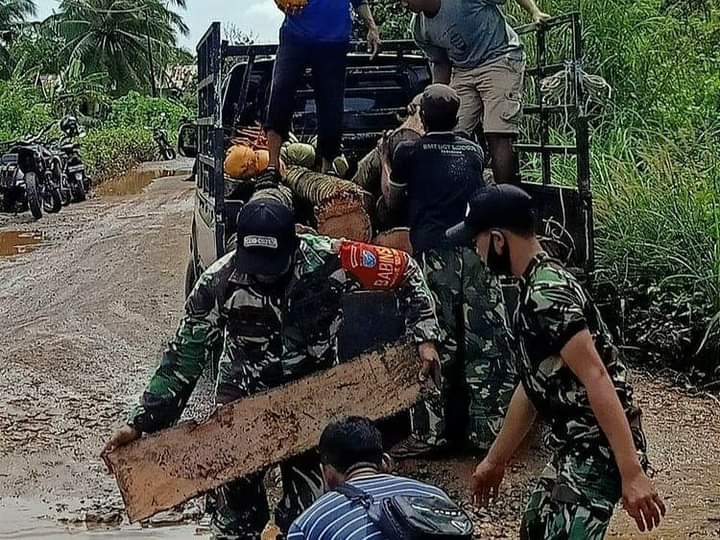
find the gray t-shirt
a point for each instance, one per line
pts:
(466, 33)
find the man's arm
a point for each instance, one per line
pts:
(394, 176)
(373, 36)
(437, 56)
(490, 472)
(639, 495)
(182, 363)
(531, 8)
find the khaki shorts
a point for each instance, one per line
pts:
(491, 93)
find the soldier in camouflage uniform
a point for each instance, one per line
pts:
(275, 306)
(572, 375)
(435, 177)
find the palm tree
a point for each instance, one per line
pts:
(13, 13)
(114, 36)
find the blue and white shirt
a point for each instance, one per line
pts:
(334, 517)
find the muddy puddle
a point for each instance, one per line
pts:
(24, 518)
(19, 242)
(131, 183)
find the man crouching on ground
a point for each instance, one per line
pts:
(572, 375)
(275, 305)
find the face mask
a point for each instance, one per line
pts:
(499, 263)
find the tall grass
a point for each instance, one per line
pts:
(656, 172)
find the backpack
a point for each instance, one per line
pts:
(406, 517)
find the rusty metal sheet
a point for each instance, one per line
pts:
(164, 469)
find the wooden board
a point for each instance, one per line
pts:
(164, 469)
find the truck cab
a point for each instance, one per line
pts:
(233, 91)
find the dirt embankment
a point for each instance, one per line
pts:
(86, 315)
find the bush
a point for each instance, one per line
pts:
(138, 111)
(23, 110)
(656, 175)
(109, 152)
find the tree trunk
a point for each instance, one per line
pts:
(340, 207)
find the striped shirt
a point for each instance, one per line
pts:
(334, 517)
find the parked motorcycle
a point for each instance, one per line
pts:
(74, 181)
(165, 150)
(26, 178)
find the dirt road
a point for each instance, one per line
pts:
(84, 319)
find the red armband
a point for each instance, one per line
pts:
(375, 267)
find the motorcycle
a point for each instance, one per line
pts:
(67, 167)
(73, 173)
(165, 150)
(26, 178)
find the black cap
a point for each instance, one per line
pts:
(266, 238)
(495, 207)
(440, 102)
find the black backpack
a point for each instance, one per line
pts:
(405, 517)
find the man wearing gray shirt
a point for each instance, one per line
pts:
(471, 47)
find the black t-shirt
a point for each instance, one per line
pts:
(441, 172)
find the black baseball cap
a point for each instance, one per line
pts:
(494, 207)
(440, 101)
(266, 239)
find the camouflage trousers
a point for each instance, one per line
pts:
(574, 499)
(240, 510)
(478, 371)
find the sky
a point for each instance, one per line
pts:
(261, 17)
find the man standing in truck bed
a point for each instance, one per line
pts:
(315, 36)
(471, 47)
(275, 305)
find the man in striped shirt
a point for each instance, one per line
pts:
(351, 452)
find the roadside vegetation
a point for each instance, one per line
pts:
(655, 139)
(91, 59)
(655, 170)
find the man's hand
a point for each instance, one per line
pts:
(430, 362)
(642, 502)
(539, 16)
(486, 481)
(373, 39)
(124, 435)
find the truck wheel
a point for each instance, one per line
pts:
(32, 195)
(190, 278)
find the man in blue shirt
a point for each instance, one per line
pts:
(351, 452)
(315, 36)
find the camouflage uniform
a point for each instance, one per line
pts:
(478, 372)
(578, 490)
(270, 335)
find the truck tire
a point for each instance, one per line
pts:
(190, 277)
(32, 195)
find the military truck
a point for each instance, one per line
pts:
(233, 90)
